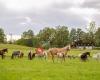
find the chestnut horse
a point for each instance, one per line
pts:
(2, 52)
(60, 52)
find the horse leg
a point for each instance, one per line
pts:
(58, 57)
(2, 56)
(45, 56)
(52, 57)
(30, 56)
(64, 57)
(19, 56)
(12, 56)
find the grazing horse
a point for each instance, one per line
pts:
(60, 52)
(41, 53)
(18, 54)
(31, 55)
(2, 52)
(84, 56)
(96, 56)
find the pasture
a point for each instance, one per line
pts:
(40, 69)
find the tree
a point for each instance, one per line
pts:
(27, 39)
(61, 36)
(97, 37)
(86, 39)
(45, 33)
(28, 34)
(91, 30)
(72, 35)
(50, 37)
(2, 36)
(45, 36)
(79, 35)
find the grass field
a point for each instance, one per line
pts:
(37, 69)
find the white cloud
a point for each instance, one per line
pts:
(28, 19)
(13, 37)
(16, 16)
(22, 5)
(86, 13)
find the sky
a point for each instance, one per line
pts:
(17, 16)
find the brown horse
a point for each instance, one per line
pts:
(2, 52)
(21, 55)
(60, 52)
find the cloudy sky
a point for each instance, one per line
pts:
(17, 16)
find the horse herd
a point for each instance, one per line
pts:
(51, 52)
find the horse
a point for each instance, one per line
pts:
(40, 53)
(96, 56)
(21, 55)
(84, 56)
(60, 52)
(61, 55)
(2, 52)
(18, 54)
(31, 55)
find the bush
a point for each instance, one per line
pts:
(34, 42)
(25, 42)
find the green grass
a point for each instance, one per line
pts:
(39, 69)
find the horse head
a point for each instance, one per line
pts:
(5, 50)
(68, 47)
(88, 53)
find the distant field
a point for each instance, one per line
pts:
(40, 69)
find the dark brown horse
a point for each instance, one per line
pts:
(60, 52)
(84, 56)
(2, 52)
(31, 55)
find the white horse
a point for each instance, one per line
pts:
(96, 56)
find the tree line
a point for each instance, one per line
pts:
(59, 37)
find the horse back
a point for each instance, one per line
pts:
(16, 53)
